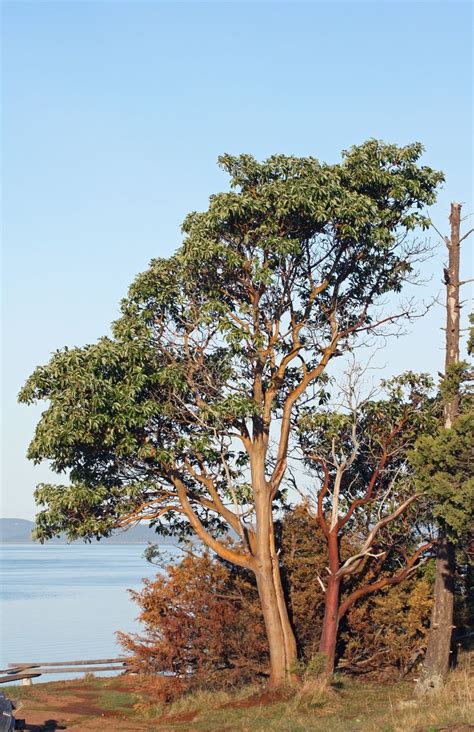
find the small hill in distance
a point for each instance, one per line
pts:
(18, 531)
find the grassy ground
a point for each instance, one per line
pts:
(344, 706)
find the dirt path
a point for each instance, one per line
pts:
(79, 706)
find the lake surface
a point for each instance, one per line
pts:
(65, 602)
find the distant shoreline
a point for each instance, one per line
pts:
(14, 531)
(78, 542)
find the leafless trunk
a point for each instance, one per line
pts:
(438, 651)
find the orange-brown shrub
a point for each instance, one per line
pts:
(386, 634)
(202, 627)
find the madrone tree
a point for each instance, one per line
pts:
(183, 417)
(366, 503)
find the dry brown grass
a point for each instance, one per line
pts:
(452, 703)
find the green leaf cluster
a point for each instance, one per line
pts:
(444, 459)
(444, 465)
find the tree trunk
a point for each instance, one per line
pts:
(281, 638)
(451, 409)
(288, 633)
(273, 625)
(280, 635)
(436, 663)
(327, 644)
(328, 640)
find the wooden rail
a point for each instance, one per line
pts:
(122, 659)
(25, 677)
(25, 672)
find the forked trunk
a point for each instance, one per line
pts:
(288, 633)
(280, 635)
(327, 644)
(279, 672)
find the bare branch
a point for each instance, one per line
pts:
(411, 566)
(466, 235)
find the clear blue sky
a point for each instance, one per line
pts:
(114, 114)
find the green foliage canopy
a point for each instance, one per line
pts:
(444, 460)
(444, 465)
(216, 343)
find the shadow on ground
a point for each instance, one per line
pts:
(47, 726)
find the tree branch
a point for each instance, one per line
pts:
(352, 564)
(411, 567)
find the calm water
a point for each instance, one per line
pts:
(64, 603)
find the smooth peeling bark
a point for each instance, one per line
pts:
(291, 652)
(280, 634)
(281, 639)
(327, 643)
(273, 625)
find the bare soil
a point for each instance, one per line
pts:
(72, 706)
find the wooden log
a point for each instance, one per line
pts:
(122, 659)
(79, 669)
